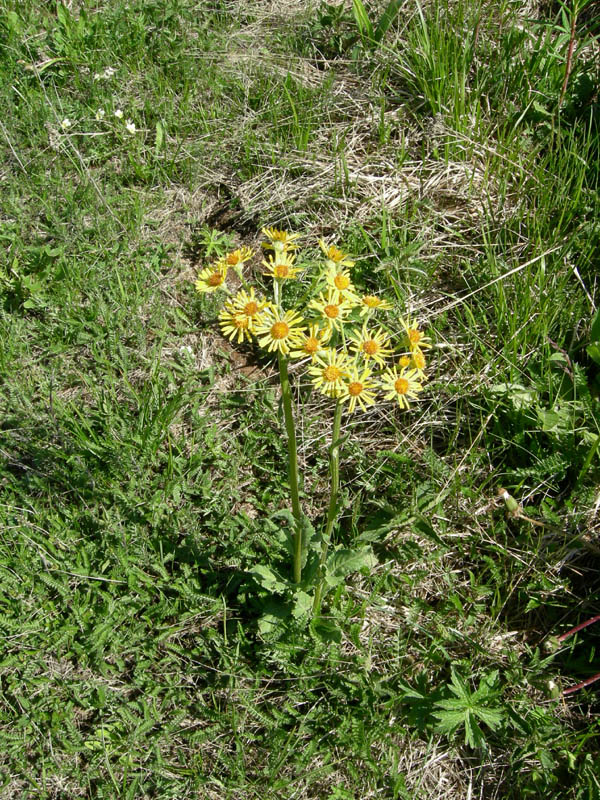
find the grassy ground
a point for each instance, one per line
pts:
(142, 458)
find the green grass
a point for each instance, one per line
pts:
(142, 462)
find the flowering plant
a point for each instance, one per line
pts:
(352, 356)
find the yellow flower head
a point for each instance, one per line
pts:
(248, 305)
(404, 362)
(418, 363)
(329, 372)
(282, 266)
(237, 257)
(339, 279)
(280, 241)
(335, 257)
(312, 343)
(357, 389)
(414, 338)
(372, 344)
(279, 331)
(212, 278)
(369, 302)
(235, 326)
(401, 386)
(332, 308)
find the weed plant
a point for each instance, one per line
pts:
(141, 453)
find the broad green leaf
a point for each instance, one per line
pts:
(595, 331)
(342, 563)
(593, 351)
(302, 604)
(326, 630)
(269, 579)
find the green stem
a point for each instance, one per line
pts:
(334, 476)
(288, 416)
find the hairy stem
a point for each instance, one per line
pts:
(334, 477)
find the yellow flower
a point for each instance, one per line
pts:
(235, 325)
(339, 279)
(372, 345)
(282, 266)
(404, 361)
(312, 343)
(212, 278)
(414, 338)
(401, 386)
(247, 305)
(280, 241)
(237, 257)
(332, 308)
(357, 389)
(278, 331)
(335, 257)
(418, 363)
(329, 373)
(369, 302)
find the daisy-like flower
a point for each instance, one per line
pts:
(236, 327)
(418, 363)
(212, 278)
(118, 113)
(401, 386)
(404, 362)
(340, 279)
(332, 308)
(372, 344)
(415, 339)
(238, 257)
(335, 257)
(280, 241)
(369, 302)
(279, 331)
(312, 343)
(248, 305)
(357, 389)
(282, 266)
(100, 114)
(329, 372)
(130, 126)
(66, 124)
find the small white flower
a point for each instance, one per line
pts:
(130, 126)
(66, 124)
(118, 113)
(109, 72)
(97, 76)
(100, 114)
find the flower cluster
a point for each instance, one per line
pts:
(352, 352)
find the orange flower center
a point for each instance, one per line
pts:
(401, 386)
(281, 271)
(341, 282)
(404, 361)
(371, 301)
(311, 345)
(251, 308)
(233, 259)
(414, 335)
(370, 347)
(240, 322)
(331, 373)
(334, 254)
(280, 330)
(332, 311)
(215, 279)
(355, 388)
